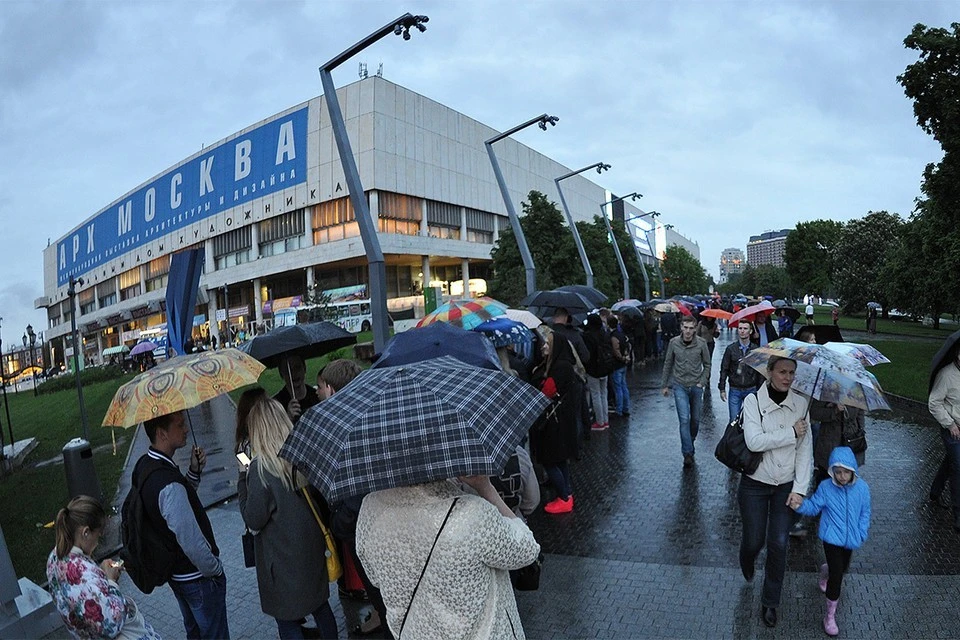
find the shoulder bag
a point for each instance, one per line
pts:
(732, 449)
(334, 568)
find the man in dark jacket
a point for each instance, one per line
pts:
(764, 333)
(174, 509)
(744, 380)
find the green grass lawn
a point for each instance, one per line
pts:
(909, 368)
(898, 326)
(32, 495)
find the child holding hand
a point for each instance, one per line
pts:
(843, 502)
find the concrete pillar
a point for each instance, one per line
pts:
(212, 295)
(209, 262)
(143, 286)
(257, 301)
(463, 224)
(465, 272)
(375, 206)
(496, 228)
(424, 226)
(255, 241)
(310, 279)
(425, 267)
(307, 227)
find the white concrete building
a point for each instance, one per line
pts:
(269, 207)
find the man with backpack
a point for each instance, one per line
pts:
(167, 535)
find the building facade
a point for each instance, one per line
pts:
(767, 248)
(732, 263)
(268, 206)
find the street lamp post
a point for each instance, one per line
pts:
(542, 121)
(368, 230)
(643, 269)
(33, 357)
(663, 289)
(600, 167)
(613, 238)
(3, 383)
(72, 292)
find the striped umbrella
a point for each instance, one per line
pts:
(466, 314)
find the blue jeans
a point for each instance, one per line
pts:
(949, 471)
(689, 401)
(620, 391)
(735, 400)
(766, 519)
(203, 605)
(560, 479)
(323, 617)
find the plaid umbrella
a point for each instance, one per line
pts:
(465, 314)
(423, 422)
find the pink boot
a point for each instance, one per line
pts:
(824, 574)
(830, 619)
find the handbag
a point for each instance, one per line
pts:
(249, 558)
(334, 567)
(732, 449)
(527, 578)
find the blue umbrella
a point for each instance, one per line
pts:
(503, 331)
(436, 340)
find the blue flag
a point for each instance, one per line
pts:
(185, 270)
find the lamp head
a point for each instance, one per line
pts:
(545, 120)
(402, 28)
(602, 167)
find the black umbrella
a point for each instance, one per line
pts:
(436, 340)
(594, 296)
(943, 357)
(823, 333)
(791, 312)
(544, 303)
(305, 340)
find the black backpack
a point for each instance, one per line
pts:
(145, 555)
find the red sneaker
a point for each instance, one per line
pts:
(559, 505)
(596, 426)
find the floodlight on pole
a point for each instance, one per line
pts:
(531, 270)
(368, 229)
(72, 293)
(600, 167)
(613, 239)
(636, 250)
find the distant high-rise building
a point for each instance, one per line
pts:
(732, 263)
(767, 248)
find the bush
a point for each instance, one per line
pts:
(87, 376)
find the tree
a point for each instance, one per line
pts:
(770, 280)
(603, 262)
(551, 246)
(809, 254)
(906, 273)
(682, 272)
(933, 82)
(861, 255)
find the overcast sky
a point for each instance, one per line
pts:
(732, 118)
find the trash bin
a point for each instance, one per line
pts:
(81, 474)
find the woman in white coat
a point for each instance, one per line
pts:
(776, 423)
(462, 589)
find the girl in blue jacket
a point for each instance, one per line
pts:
(843, 502)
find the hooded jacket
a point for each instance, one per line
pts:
(844, 509)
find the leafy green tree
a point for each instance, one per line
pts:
(770, 280)
(933, 82)
(682, 272)
(603, 262)
(551, 246)
(907, 275)
(861, 256)
(809, 254)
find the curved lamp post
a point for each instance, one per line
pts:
(72, 292)
(613, 239)
(33, 358)
(600, 167)
(542, 121)
(643, 269)
(6, 406)
(368, 230)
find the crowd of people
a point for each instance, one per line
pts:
(471, 531)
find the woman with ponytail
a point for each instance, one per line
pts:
(86, 595)
(289, 546)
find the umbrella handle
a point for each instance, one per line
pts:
(293, 394)
(192, 432)
(814, 389)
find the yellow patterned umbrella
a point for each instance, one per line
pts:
(181, 383)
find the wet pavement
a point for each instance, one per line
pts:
(651, 548)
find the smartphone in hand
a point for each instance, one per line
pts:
(244, 459)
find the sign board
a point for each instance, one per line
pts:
(237, 312)
(221, 315)
(258, 163)
(431, 299)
